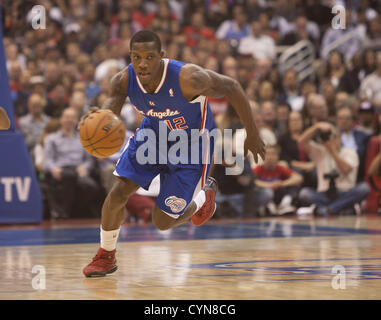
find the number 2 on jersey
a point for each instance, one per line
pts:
(179, 123)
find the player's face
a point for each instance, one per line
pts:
(146, 61)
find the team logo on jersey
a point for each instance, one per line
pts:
(171, 93)
(162, 114)
(176, 204)
(151, 103)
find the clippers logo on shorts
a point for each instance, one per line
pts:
(176, 204)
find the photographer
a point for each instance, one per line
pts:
(336, 169)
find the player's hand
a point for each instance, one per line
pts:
(88, 113)
(255, 144)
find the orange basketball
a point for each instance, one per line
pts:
(102, 133)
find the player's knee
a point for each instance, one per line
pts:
(121, 191)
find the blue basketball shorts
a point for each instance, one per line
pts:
(179, 183)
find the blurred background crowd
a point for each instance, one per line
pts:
(315, 92)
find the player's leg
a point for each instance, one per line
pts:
(163, 221)
(130, 175)
(185, 194)
(200, 209)
(113, 209)
(113, 215)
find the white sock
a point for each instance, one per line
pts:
(199, 200)
(109, 239)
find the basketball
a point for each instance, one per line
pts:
(102, 133)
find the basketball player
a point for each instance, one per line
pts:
(173, 92)
(4, 120)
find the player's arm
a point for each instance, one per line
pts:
(117, 95)
(117, 92)
(195, 81)
(4, 120)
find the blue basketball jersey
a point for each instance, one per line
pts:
(167, 103)
(167, 110)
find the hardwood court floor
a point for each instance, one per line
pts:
(272, 258)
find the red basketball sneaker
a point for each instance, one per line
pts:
(103, 263)
(209, 207)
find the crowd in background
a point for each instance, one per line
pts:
(57, 73)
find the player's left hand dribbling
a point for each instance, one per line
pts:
(88, 112)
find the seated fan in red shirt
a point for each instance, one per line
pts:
(276, 185)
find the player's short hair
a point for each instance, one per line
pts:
(146, 36)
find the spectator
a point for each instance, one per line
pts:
(38, 160)
(217, 13)
(336, 171)
(52, 126)
(276, 184)
(328, 92)
(278, 24)
(374, 148)
(234, 29)
(197, 30)
(18, 95)
(369, 63)
(32, 124)
(317, 108)
(370, 89)
(267, 135)
(355, 34)
(302, 30)
(290, 94)
(52, 75)
(266, 91)
(67, 167)
(365, 117)
(341, 100)
(282, 111)
(254, 8)
(57, 101)
(293, 154)
(161, 20)
(257, 44)
(37, 86)
(352, 138)
(233, 188)
(269, 116)
(78, 102)
(374, 177)
(338, 75)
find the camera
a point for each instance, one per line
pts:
(332, 190)
(324, 135)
